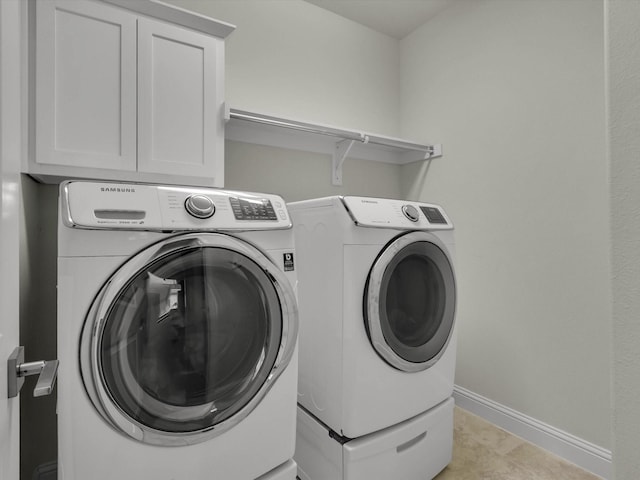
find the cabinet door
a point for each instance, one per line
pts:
(180, 102)
(85, 85)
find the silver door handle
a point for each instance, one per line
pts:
(47, 372)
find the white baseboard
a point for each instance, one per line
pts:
(586, 455)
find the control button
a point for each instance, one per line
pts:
(411, 212)
(282, 215)
(199, 206)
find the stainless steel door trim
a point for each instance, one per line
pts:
(372, 301)
(95, 323)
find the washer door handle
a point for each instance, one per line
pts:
(17, 369)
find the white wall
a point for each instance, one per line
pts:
(624, 140)
(514, 90)
(300, 175)
(294, 59)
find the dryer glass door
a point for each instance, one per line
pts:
(185, 342)
(410, 301)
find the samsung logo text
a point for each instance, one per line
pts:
(117, 190)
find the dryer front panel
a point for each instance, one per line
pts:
(186, 338)
(410, 300)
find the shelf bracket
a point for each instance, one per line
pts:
(340, 152)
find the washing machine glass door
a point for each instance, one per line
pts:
(186, 338)
(410, 300)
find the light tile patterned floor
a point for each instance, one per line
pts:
(482, 451)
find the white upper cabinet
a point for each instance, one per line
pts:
(85, 85)
(180, 110)
(121, 96)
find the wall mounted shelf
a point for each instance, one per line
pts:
(258, 128)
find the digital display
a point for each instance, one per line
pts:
(433, 215)
(252, 209)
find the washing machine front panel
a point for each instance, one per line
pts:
(410, 301)
(186, 338)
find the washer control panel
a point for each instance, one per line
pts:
(400, 214)
(253, 209)
(155, 207)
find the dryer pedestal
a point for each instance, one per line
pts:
(416, 449)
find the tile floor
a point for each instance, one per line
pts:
(483, 451)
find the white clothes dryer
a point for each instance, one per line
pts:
(377, 300)
(177, 328)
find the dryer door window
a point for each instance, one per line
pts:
(190, 341)
(410, 302)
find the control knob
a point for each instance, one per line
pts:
(411, 212)
(199, 206)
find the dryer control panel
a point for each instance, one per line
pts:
(399, 214)
(156, 207)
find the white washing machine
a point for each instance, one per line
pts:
(377, 300)
(177, 328)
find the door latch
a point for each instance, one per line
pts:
(17, 369)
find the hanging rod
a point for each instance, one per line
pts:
(295, 125)
(332, 132)
(397, 143)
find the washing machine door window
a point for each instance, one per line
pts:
(410, 300)
(186, 338)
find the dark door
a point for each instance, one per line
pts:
(187, 337)
(410, 300)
